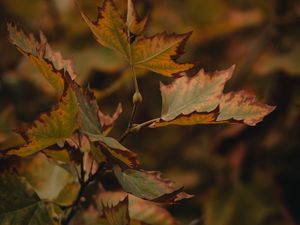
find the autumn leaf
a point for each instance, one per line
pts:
(109, 29)
(157, 53)
(50, 63)
(149, 185)
(107, 122)
(118, 214)
(52, 127)
(141, 210)
(116, 150)
(200, 100)
(19, 204)
(134, 23)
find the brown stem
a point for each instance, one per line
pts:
(83, 186)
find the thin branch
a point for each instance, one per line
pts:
(81, 191)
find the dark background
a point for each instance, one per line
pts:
(240, 175)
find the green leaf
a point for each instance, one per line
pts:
(118, 214)
(158, 53)
(200, 100)
(109, 29)
(149, 185)
(19, 204)
(52, 127)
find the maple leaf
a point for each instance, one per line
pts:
(118, 214)
(149, 185)
(157, 53)
(52, 127)
(109, 28)
(59, 73)
(134, 23)
(200, 100)
(41, 55)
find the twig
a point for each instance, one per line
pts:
(136, 128)
(83, 186)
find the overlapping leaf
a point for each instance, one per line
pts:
(134, 23)
(146, 212)
(149, 185)
(107, 121)
(41, 55)
(118, 214)
(56, 126)
(109, 29)
(157, 53)
(19, 204)
(200, 100)
(52, 127)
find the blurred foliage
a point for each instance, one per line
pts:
(239, 175)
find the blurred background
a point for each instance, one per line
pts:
(240, 175)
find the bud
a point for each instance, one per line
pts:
(137, 98)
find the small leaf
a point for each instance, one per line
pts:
(88, 111)
(68, 194)
(116, 150)
(134, 24)
(117, 215)
(107, 121)
(41, 55)
(52, 127)
(157, 53)
(61, 155)
(140, 210)
(200, 100)
(149, 185)
(109, 28)
(19, 204)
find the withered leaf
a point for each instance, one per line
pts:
(109, 28)
(200, 100)
(159, 52)
(52, 127)
(107, 122)
(118, 214)
(50, 63)
(134, 23)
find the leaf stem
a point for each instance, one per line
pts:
(137, 97)
(83, 186)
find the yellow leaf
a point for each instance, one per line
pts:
(134, 24)
(41, 55)
(109, 29)
(52, 127)
(157, 53)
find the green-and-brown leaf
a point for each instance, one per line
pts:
(109, 29)
(50, 63)
(200, 100)
(52, 127)
(158, 53)
(134, 23)
(149, 185)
